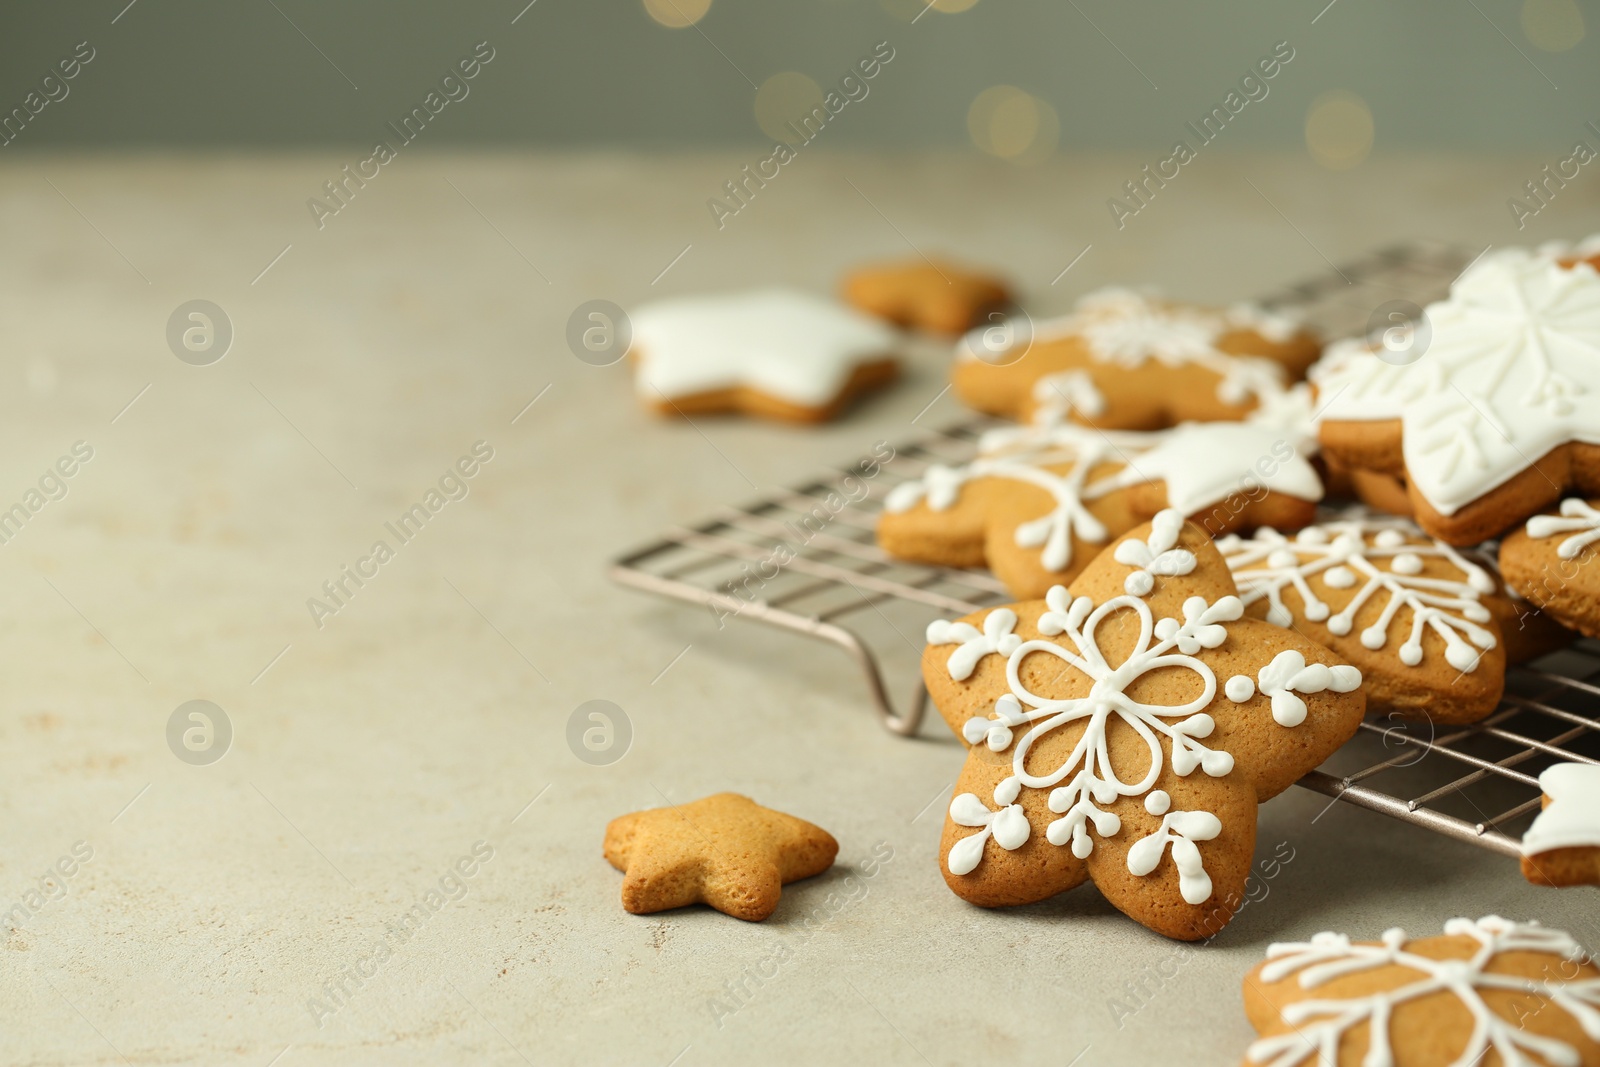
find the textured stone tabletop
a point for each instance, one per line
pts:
(408, 743)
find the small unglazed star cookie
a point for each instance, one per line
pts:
(1124, 360)
(1126, 731)
(1039, 501)
(1551, 562)
(936, 296)
(776, 353)
(1498, 416)
(1562, 847)
(1420, 620)
(1489, 991)
(725, 850)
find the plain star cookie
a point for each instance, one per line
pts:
(1129, 361)
(1126, 731)
(1489, 991)
(1498, 415)
(1040, 501)
(1551, 563)
(725, 850)
(931, 295)
(1562, 847)
(775, 353)
(1420, 620)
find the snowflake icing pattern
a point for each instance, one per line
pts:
(1319, 1026)
(1345, 554)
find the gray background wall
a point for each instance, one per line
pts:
(1436, 73)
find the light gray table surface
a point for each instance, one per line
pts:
(430, 712)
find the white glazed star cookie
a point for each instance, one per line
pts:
(776, 353)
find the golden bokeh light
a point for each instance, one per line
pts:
(1552, 25)
(786, 99)
(1012, 124)
(912, 10)
(1339, 129)
(677, 14)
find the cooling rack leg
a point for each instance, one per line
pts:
(905, 724)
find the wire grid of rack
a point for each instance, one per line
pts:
(1476, 783)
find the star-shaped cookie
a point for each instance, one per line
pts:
(932, 295)
(1126, 731)
(1562, 847)
(724, 850)
(1128, 361)
(1498, 416)
(1489, 991)
(776, 353)
(1040, 501)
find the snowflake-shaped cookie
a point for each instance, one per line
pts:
(1498, 414)
(1489, 991)
(1127, 730)
(776, 352)
(1127, 360)
(1039, 501)
(1421, 620)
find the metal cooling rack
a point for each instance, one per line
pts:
(1476, 783)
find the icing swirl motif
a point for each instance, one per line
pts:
(1320, 1026)
(1513, 371)
(1127, 328)
(1577, 518)
(1087, 781)
(1347, 555)
(1572, 819)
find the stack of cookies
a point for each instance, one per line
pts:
(1201, 618)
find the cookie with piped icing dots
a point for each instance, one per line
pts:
(1420, 619)
(1554, 562)
(1496, 418)
(1130, 361)
(935, 296)
(774, 353)
(1562, 847)
(1124, 733)
(1489, 991)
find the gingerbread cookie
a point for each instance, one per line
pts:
(725, 850)
(1562, 847)
(1551, 562)
(1412, 613)
(922, 294)
(1489, 991)
(1126, 731)
(1124, 360)
(1039, 501)
(774, 353)
(1497, 416)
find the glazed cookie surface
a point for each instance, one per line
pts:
(1127, 360)
(1126, 731)
(1488, 991)
(1040, 501)
(1418, 618)
(724, 850)
(1497, 416)
(1562, 847)
(775, 353)
(1554, 563)
(932, 295)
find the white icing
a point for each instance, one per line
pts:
(1057, 394)
(1205, 463)
(1512, 371)
(1128, 329)
(787, 344)
(1087, 782)
(1572, 819)
(1576, 515)
(1157, 556)
(1318, 1027)
(1349, 551)
(1288, 674)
